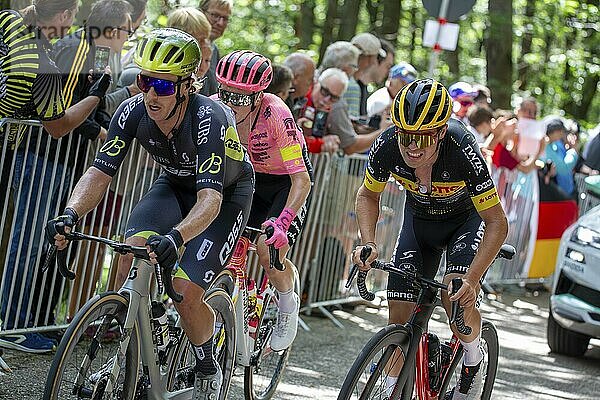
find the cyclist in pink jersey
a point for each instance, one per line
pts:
(283, 171)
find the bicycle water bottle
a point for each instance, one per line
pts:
(434, 361)
(160, 326)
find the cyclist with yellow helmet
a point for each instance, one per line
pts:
(451, 205)
(200, 202)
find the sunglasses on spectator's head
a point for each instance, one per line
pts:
(422, 140)
(327, 93)
(162, 87)
(236, 99)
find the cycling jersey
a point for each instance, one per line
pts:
(204, 152)
(30, 83)
(460, 181)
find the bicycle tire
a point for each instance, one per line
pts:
(264, 330)
(388, 339)
(489, 335)
(109, 304)
(181, 370)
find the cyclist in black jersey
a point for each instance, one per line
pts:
(451, 206)
(201, 200)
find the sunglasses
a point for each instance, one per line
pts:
(326, 93)
(237, 99)
(162, 87)
(422, 140)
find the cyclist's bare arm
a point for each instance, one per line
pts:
(496, 230)
(73, 117)
(367, 213)
(299, 190)
(206, 209)
(89, 191)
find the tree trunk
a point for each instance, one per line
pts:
(306, 25)
(499, 52)
(413, 33)
(328, 25)
(451, 58)
(373, 10)
(523, 67)
(349, 19)
(391, 20)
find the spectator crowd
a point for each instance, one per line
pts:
(74, 85)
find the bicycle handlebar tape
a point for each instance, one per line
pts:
(458, 313)
(273, 252)
(362, 287)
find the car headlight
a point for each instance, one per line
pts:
(586, 236)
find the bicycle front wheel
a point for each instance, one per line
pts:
(266, 366)
(181, 373)
(490, 348)
(384, 352)
(82, 366)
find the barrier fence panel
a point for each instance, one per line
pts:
(587, 200)
(39, 174)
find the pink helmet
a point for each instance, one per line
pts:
(246, 70)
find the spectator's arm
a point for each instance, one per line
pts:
(113, 100)
(73, 117)
(362, 142)
(571, 159)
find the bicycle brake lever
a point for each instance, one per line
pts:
(351, 276)
(457, 313)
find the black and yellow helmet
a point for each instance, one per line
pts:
(421, 105)
(168, 50)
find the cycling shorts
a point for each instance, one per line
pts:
(269, 201)
(421, 244)
(166, 204)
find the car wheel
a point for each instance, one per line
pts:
(564, 341)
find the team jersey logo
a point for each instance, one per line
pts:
(211, 165)
(233, 147)
(113, 147)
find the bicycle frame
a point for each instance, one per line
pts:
(238, 267)
(417, 356)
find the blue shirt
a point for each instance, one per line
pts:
(564, 161)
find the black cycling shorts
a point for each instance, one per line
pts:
(166, 204)
(269, 201)
(421, 243)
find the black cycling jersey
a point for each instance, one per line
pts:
(205, 152)
(460, 180)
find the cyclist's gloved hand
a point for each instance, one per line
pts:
(57, 227)
(365, 266)
(281, 226)
(100, 86)
(164, 249)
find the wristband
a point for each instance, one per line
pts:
(175, 237)
(71, 213)
(314, 144)
(372, 244)
(286, 217)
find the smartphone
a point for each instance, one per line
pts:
(320, 123)
(101, 59)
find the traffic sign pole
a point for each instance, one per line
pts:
(435, 53)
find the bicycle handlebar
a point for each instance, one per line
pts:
(162, 275)
(273, 252)
(457, 315)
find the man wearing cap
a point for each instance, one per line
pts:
(564, 160)
(369, 47)
(463, 95)
(379, 102)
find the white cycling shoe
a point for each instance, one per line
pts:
(208, 387)
(286, 328)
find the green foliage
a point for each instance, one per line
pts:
(561, 67)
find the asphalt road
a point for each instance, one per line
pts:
(321, 357)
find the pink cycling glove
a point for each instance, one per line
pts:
(281, 226)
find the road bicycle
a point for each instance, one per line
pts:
(254, 313)
(430, 367)
(119, 345)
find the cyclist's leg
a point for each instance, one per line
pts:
(461, 251)
(205, 256)
(156, 213)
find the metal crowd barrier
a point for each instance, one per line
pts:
(587, 201)
(30, 196)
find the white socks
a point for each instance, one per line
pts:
(287, 304)
(473, 354)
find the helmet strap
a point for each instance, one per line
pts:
(179, 100)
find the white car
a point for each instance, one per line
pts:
(575, 302)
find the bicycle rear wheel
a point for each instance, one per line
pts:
(367, 376)
(181, 373)
(85, 356)
(490, 347)
(266, 366)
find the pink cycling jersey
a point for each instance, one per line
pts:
(275, 143)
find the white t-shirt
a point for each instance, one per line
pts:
(378, 102)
